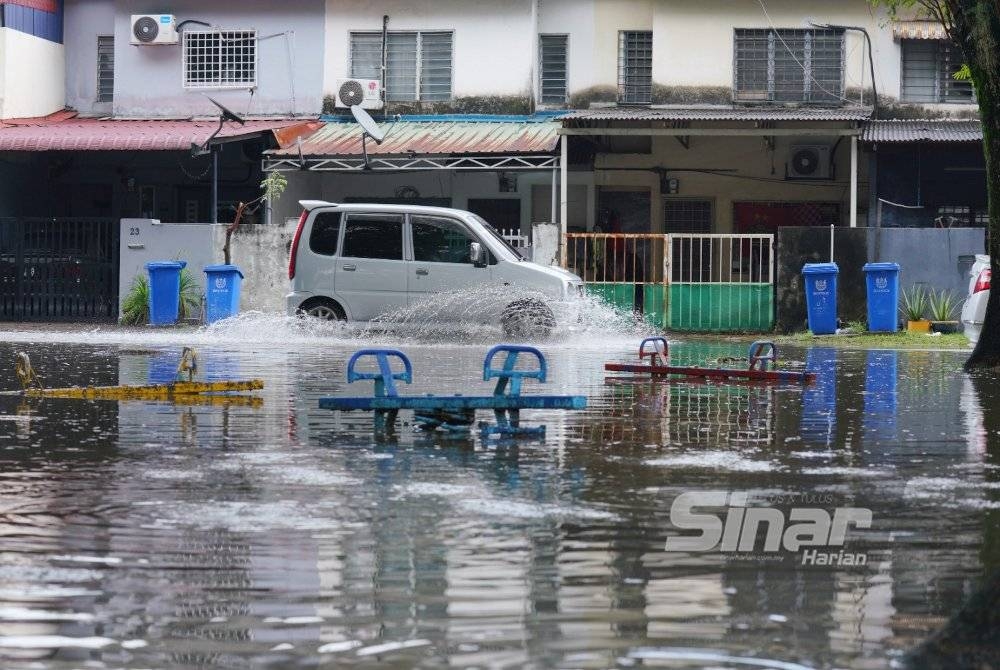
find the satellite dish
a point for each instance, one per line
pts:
(227, 114)
(367, 124)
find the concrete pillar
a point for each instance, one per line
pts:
(854, 181)
(563, 198)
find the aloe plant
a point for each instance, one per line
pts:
(914, 303)
(943, 305)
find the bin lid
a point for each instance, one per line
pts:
(223, 268)
(881, 267)
(820, 269)
(166, 265)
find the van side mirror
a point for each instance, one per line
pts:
(477, 255)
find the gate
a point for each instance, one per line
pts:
(681, 281)
(721, 282)
(626, 270)
(58, 269)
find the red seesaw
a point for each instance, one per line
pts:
(762, 356)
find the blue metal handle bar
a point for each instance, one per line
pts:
(655, 352)
(384, 378)
(508, 373)
(761, 352)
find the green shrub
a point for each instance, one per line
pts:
(135, 307)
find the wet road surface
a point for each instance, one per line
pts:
(275, 534)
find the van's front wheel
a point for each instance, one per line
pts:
(527, 318)
(323, 308)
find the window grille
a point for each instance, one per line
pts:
(552, 69)
(685, 215)
(789, 65)
(635, 67)
(928, 66)
(220, 58)
(105, 68)
(418, 64)
(960, 216)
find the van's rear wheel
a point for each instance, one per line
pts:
(323, 308)
(527, 318)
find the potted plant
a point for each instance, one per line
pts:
(943, 308)
(913, 308)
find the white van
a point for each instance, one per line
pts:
(357, 262)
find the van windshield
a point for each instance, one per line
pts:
(514, 253)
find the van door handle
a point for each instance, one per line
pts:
(422, 271)
(349, 268)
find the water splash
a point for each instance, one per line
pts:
(454, 318)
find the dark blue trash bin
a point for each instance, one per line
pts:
(882, 280)
(222, 291)
(164, 291)
(821, 296)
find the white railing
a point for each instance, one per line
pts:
(721, 258)
(515, 239)
(618, 258)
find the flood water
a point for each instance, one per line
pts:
(271, 533)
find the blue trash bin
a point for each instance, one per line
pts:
(821, 296)
(164, 291)
(222, 292)
(882, 280)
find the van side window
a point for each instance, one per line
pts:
(440, 240)
(325, 233)
(374, 236)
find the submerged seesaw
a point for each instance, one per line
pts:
(179, 391)
(454, 413)
(762, 356)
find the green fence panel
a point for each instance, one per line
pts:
(622, 296)
(721, 307)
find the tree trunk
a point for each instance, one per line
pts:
(978, 29)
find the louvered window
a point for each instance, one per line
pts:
(418, 64)
(789, 65)
(928, 66)
(552, 69)
(635, 67)
(105, 68)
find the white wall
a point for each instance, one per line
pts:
(84, 23)
(31, 75)
(149, 79)
(494, 42)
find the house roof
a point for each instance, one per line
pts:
(946, 130)
(58, 132)
(443, 138)
(722, 113)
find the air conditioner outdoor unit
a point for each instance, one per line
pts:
(154, 29)
(364, 92)
(808, 161)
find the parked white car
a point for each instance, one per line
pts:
(974, 309)
(358, 262)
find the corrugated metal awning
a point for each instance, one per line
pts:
(723, 113)
(918, 30)
(942, 130)
(58, 133)
(436, 138)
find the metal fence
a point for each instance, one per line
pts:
(57, 269)
(721, 282)
(681, 281)
(627, 270)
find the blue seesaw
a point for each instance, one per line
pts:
(458, 412)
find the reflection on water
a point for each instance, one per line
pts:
(150, 534)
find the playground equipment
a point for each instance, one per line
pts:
(454, 413)
(176, 391)
(762, 357)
